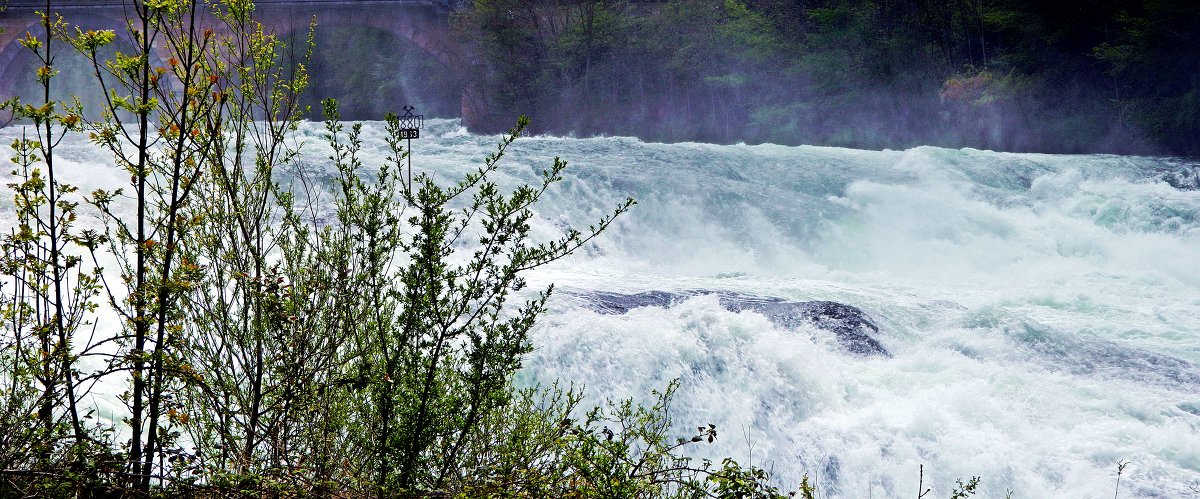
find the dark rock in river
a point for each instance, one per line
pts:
(1185, 178)
(852, 327)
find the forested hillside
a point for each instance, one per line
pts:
(1018, 75)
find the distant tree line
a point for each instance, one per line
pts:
(1020, 75)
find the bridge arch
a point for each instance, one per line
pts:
(423, 23)
(17, 63)
(371, 71)
(10, 52)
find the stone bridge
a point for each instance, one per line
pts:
(425, 23)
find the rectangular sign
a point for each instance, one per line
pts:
(410, 133)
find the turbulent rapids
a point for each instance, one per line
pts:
(1029, 319)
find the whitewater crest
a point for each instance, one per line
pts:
(1030, 319)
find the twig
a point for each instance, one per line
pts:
(1120, 469)
(921, 484)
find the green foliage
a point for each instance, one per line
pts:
(47, 299)
(1117, 76)
(437, 343)
(540, 446)
(260, 333)
(964, 490)
(1151, 63)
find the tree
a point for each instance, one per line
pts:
(438, 341)
(257, 339)
(1152, 61)
(49, 290)
(160, 124)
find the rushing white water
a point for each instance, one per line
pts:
(1042, 311)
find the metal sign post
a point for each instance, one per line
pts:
(410, 128)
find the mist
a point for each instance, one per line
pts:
(1013, 75)
(1009, 76)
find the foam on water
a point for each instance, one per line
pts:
(1043, 310)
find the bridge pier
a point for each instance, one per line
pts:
(474, 106)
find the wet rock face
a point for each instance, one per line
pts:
(852, 327)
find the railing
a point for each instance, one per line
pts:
(24, 5)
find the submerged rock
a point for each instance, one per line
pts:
(619, 303)
(1098, 357)
(852, 327)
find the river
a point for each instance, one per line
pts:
(1040, 313)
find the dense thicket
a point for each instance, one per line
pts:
(1021, 75)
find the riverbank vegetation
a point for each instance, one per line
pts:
(1014, 75)
(276, 335)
